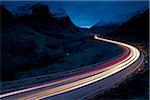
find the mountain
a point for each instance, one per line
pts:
(137, 26)
(47, 23)
(135, 29)
(23, 48)
(34, 40)
(104, 29)
(104, 26)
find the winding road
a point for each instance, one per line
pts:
(85, 82)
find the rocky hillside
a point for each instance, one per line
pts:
(42, 20)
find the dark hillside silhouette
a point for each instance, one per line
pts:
(42, 20)
(135, 29)
(137, 26)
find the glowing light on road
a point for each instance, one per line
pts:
(76, 82)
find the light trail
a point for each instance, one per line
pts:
(78, 81)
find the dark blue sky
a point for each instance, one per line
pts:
(87, 13)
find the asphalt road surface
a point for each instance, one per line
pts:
(84, 82)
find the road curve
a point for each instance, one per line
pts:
(74, 87)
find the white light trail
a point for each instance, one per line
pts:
(68, 86)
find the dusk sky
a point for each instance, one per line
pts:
(88, 13)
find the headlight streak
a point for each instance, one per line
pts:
(134, 55)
